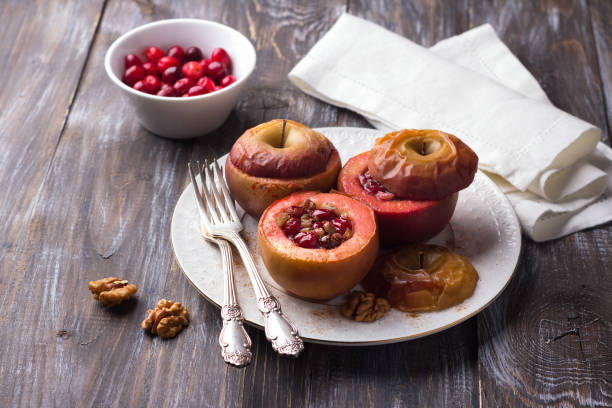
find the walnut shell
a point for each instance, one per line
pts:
(422, 164)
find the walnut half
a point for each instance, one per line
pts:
(111, 291)
(167, 319)
(365, 307)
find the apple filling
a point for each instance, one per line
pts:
(311, 227)
(374, 187)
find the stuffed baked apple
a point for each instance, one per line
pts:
(318, 245)
(277, 158)
(411, 180)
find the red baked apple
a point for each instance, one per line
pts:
(400, 221)
(275, 159)
(318, 245)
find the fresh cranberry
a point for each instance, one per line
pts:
(150, 68)
(183, 85)
(166, 62)
(185, 95)
(133, 74)
(193, 54)
(207, 83)
(171, 75)
(218, 87)
(197, 90)
(204, 62)
(220, 55)
(215, 70)
(227, 80)
(132, 59)
(176, 52)
(154, 54)
(341, 224)
(323, 214)
(292, 226)
(306, 239)
(152, 84)
(317, 224)
(193, 70)
(166, 90)
(140, 86)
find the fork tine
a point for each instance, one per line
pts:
(205, 188)
(218, 201)
(203, 213)
(229, 202)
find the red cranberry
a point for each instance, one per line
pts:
(193, 70)
(204, 62)
(132, 59)
(139, 86)
(215, 70)
(166, 90)
(152, 84)
(197, 90)
(220, 55)
(323, 214)
(227, 80)
(372, 187)
(176, 52)
(306, 239)
(133, 74)
(166, 62)
(341, 224)
(193, 54)
(207, 84)
(218, 88)
(171, 75)
(317, 224)
(154, 54)
(183, 85)
(150, 68)
(185, 95)
(292, 226)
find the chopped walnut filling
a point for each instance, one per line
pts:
(167, 319)
(111, 291)
(312, 227)
(365, 307)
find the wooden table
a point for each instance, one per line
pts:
(88, 193)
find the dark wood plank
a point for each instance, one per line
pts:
(42, 53)
(545, 341)
(601, 16)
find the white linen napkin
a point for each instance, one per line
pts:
(472, 86)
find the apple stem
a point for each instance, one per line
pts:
(283, 133)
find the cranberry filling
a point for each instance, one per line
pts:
(311, 227)
(374, 187)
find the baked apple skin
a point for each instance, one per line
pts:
(399, 221)
(266, 164)
(319, 273)
(255, 194)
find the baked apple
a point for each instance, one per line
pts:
(422, 164)
(422, 278)
(277, 158)
(399, 221)
(318, 245)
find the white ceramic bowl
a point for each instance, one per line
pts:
(181, 118)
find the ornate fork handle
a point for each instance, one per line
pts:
(280, 331)
(234, 341)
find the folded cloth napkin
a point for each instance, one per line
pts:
(550, 164)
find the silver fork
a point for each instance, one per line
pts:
(223, 222)
(234, 341)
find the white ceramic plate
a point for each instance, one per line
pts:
(484, 228)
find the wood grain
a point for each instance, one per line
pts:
(552, 323)
(88, 193)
